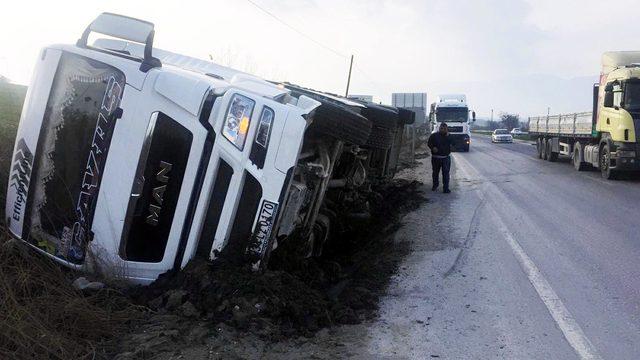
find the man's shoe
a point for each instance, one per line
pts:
(446, 191)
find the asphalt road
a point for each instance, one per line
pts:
(525, 259)
(575, 239)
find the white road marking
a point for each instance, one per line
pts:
(561, 315)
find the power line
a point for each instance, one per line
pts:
(367, 77)
(296, 30)
(360, 70)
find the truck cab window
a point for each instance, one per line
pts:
(617, 94)
(632, 96)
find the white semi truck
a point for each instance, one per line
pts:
(452, 109)
(133, 160)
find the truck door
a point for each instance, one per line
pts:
(610, 115)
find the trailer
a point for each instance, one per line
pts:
(562, 135)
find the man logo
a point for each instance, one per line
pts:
(158, 193)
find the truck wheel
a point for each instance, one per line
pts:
(342, 124)
(406, 117)
(380, 116)
(547, 148)
(384, 124)
(466, 148)
(578, 158)
(381, 138)
(551, 156)
(539, 148)
(605, 163)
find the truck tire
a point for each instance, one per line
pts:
(407, 117)
(465, 148)
(551, 156)
(546, 149)
(605, 168)
(539, 148)
(381, 138)
(380, 116)
(578, 157)
(341, 123)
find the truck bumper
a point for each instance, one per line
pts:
(625, 164)
(460, 141)
(626, 157)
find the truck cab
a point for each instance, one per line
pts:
(130, 161)
(452, 109)
(130, 165)
(617, 114)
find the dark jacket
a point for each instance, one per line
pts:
(442, 142)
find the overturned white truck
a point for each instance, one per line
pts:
(133, 160)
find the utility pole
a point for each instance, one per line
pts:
(346, 93)
(491, 114)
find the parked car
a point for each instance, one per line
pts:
(133, 160)
(501, 136)
(516, 132)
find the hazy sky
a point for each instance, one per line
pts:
(509, 55)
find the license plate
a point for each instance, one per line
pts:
(264, 225)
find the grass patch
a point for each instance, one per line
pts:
(44, 317)
(11, 100)
(482, 132)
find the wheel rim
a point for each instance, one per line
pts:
(604, 159)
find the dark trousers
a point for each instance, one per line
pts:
(443, 164)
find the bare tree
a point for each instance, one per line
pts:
(492, 125)
(509, 121)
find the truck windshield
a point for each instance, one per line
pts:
(458, 114)
(74, 141)
(632, 95)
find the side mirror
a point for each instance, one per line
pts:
(473, 116)
(608, 99)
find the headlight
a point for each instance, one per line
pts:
(238, 119)
(626, 153)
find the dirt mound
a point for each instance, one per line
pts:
(291, 298)
(44, 316)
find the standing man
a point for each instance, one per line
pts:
(440, 146)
